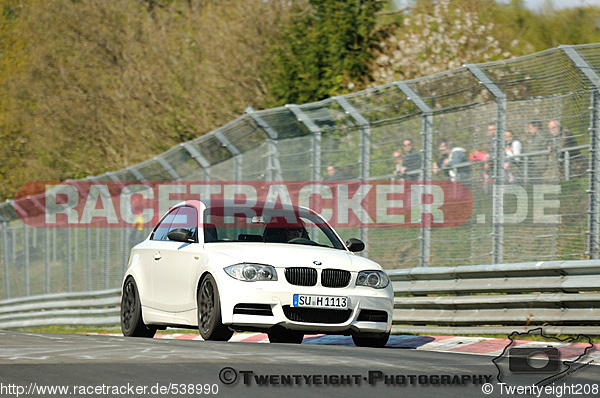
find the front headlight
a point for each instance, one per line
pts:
(249, 272)
(374, 279)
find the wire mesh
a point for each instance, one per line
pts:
(546, 206)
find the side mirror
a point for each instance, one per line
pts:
(181, 235)
(355, 245)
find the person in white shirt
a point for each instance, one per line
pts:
(512, 151)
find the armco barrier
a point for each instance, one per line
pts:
(563, 297)
(86, 308)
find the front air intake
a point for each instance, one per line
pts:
(373, 316)
(316, 315)
(253, 309)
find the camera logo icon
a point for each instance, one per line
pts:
(534, 360)
(553, 358)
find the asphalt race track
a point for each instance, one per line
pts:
(110, 366)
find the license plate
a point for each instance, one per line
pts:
(305, 300)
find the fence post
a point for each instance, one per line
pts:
(76, 245)
(124, 253)
(54, 245)
(26, 253)
(315, 132)
(136, 172)
(47, 258)
(274, 168)
(5, 257)
(498, 162)
(69, 263)
(124, 248)
(426, 165)
(365, 154)
(168, 168)
(594, 188)
(315, 155)
(87, 255)
(107, 257)
(201, 160)
(237, 155)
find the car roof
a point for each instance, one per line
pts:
(205, 203)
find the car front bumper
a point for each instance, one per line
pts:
(246, 305)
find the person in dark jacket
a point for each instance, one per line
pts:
(538, 141)
(561, 138)
(452, 156)
(411, 161)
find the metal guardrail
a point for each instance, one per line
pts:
(564, 297)
(86, 308)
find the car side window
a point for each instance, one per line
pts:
(163, 227)
(186, 218)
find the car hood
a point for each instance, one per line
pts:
(287, 255)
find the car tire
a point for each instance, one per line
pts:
(210, 325)
(280, 335)
(373, 340)
(132, 324)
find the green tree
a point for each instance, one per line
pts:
(325, 50)
(437, 36)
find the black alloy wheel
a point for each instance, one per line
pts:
(209, 312)
(132, 324)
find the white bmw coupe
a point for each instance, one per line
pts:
(224, 267)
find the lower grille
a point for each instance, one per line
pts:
(253, 309)
(301, 276)
(316, 315)
(373, 316)
(335, 278)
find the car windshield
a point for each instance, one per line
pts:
(287, 226)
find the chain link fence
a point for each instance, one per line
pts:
(354, 137)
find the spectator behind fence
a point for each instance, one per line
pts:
(538, 141)
(332, 174)
(482, 157)
(455, 156)
(411, 161)
(561, 138)
(397, 163)
(512, 164)
(438, 167)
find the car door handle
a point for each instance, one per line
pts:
(157, 256)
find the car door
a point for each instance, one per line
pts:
(173, 264)
(147, 251)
